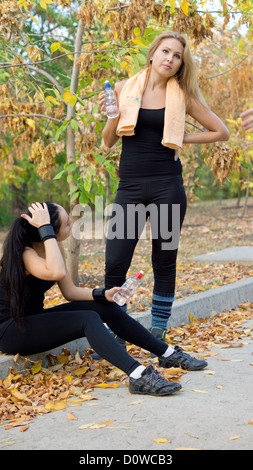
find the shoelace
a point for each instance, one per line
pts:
(185, 357)
(155, 378)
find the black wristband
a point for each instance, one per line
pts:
(45, 232)
(99, 294)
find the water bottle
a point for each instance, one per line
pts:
(127, 289)
(111, 102)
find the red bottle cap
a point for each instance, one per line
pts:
(139, 274)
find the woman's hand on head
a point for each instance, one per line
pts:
(39, 214)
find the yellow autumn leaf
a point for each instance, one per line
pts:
(233, 438)
(55, 405)
(7, 381)
(104, 385)
(69, 378)
(175, 370)
(52, 99)
(73, 100)
(184, 7)
(44, 3)
(71, 416)
(161, 440)
(20, 396)
(31, 123)
(80, 370)
(66, 96)
(36, 368)
(173, 4)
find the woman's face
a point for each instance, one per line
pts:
(168, 57)
(65, 227)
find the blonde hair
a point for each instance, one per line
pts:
(187, 74)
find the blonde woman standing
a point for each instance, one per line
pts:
(151, 122)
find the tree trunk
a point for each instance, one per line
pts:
(73, 243)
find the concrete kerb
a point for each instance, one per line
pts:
(219, 299)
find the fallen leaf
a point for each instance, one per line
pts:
(199, 391)
(105, 385)
(103, 424)
(36, 368)
(62, 359)
(250, 421)
(80, 370)
(86, 426)
(209, 372)
(20, 396)
(71, 416)
(161, 441)
(24, 428)
(174, 370)
(56, 405)
(233, 438)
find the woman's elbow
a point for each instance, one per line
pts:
(61, 275)
(224, 134)
(58, 275)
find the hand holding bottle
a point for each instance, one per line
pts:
(108, 101)
(127, 289)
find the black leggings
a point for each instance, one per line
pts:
(58, 325)
(159, 197)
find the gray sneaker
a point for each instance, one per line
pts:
(180, 359)
(151, 383)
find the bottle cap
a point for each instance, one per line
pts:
(139, 274)
(107, 84)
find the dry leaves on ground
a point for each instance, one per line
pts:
(70, 380)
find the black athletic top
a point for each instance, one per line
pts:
(143, 154)
(36, 288)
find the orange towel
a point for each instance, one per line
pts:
(130, 102)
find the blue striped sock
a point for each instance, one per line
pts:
(161, 309)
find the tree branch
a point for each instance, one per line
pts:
(47, 75)
(2, 116)
(230, 70)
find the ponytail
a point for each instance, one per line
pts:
(13, 274)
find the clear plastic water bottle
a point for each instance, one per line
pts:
(111, 110)
(127, 289)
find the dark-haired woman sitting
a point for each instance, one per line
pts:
(32, 261)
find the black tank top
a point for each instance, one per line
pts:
(36, 288)
(143, 154)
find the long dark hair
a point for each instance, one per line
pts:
(13, 275)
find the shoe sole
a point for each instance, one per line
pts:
(183, 368)
(174, 390)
